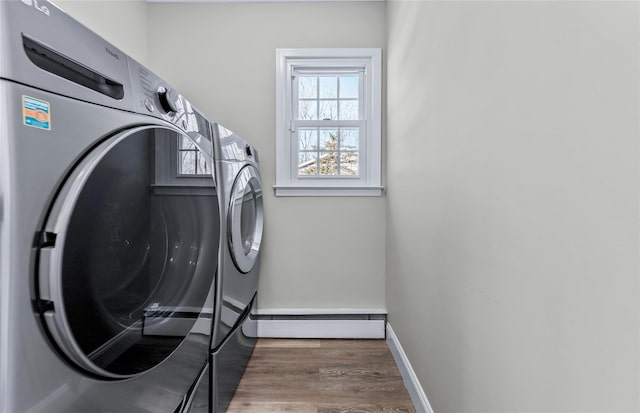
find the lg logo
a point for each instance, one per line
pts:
(34, 3)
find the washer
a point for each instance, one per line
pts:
(107, 254)
(235, 330)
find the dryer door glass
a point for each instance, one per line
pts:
(245, 218)
(129, 256)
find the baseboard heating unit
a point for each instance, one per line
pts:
(321, 323)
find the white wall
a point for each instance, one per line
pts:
(317, 252)
(513, 186)
(121, 22)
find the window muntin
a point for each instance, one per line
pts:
(190, 161)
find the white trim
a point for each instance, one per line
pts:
(418, 397)
(291, 190)
(370, 179)
(321, 328)
(321, 311)
(254, 1)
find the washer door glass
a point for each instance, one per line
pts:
(245, 218)
(127, 260)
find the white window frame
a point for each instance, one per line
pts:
(166, 164)
(369, 181)
(176, 161)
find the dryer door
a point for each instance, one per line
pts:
(245, 219)
(127, 257)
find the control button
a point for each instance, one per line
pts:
(169, 99)
(149, 105)
(184, 124)
(248, 150)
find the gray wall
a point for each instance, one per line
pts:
(122, 22)
(512, 210)
(317, 252)
(512, 223)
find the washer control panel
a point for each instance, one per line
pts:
(169, 99)
(155, 97)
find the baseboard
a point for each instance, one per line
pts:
(418, 397)
(321, 323)
(320, 311)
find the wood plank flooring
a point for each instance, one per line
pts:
(321, 376)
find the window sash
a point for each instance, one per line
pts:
(293, 111)
(361, 150)
(327, 123)
(296, 123)
(326, 71)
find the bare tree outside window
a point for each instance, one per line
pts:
(190, 161)
(328, 148)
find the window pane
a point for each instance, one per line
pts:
(202, 165)
(328, 139)
(349, 110)
(187, 164)
(349, 139)
(307, 139)
(186, 143)
(308, 110)
(328, 87)
(328, 110)
(307, 87)
(305, 157)
(328, 163)
(349, 86)
(349, 163)
(307, 163)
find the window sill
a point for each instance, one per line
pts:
(183, 189)
(328, 190)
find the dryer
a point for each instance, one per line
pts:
(235, 330)
(107, 252)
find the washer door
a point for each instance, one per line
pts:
(125, 265)
(245, 219)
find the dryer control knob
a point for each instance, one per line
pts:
(169, 99)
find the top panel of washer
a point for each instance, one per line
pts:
(45, 48)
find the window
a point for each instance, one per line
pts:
(328, 122)
(179, 162)
(190, 161)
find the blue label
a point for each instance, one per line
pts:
(36, 113)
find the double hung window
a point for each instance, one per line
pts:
(190, 161)
(328, 124)
(179, 162)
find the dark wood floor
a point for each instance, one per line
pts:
(321, 376)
